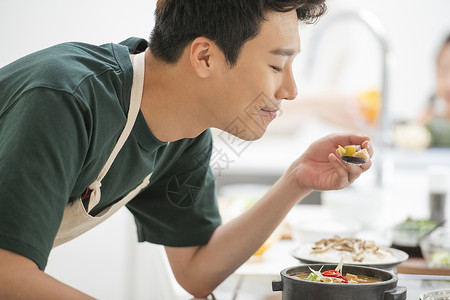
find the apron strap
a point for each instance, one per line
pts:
(135, 103)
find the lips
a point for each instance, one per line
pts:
(272, 113)
(271, 108)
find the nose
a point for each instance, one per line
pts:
(288, 88)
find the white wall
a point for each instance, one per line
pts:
(27, 26)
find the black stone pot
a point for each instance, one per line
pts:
(294, 288)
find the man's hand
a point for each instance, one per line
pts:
(321, 168)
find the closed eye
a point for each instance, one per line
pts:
(277, 68)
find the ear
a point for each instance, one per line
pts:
(203, 56)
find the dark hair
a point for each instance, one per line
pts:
(447, 40)
(441, 48)
(229, 23)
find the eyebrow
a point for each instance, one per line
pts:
(285, 52)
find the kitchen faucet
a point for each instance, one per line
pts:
(376, 28)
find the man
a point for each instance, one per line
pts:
(85, 130)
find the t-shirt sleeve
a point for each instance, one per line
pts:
(179, 207)
(42, 134)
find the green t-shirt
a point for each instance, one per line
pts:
(62, 110)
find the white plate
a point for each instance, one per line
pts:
(399, 257)
(435, 294)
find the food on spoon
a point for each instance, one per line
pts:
(336, 276)
(352, 250)
(353, 154)
(347, 151)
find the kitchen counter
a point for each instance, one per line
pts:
(258, 288)
(253, 280)
(405, 195)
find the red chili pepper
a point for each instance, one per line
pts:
(331, 273)
(334, 274)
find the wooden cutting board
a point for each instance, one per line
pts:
(415, 265)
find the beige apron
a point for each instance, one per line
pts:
(76, 219)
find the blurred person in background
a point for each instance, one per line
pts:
(436, 117)
(432, 129)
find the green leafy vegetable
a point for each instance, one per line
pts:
(312, 277)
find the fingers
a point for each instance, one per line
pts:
(347, 173)
(358, 140)
(354, 171)
(344, 139)
(368, 146)
(338, 165)
(367, 165)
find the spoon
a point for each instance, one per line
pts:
(349, 154)
(354, 160)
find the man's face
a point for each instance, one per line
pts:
(251, 92)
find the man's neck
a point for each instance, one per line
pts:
(170, 107)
